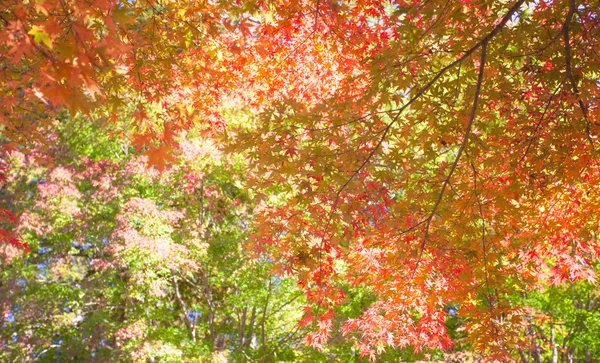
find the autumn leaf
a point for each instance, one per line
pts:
(40, 36)
(160, 157)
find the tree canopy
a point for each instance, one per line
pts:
(426, 172)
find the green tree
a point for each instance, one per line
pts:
(129, 264)
(564, 324)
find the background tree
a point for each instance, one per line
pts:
(564, 324)
(130, 264)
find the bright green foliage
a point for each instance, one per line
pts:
(564, 323)
(129, 264)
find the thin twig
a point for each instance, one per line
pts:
(483, 242)
(420, 93)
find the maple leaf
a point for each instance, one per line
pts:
(140, 141)
(160, 157)
(40, 36)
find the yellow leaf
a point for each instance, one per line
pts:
(40, 36)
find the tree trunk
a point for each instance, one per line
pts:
(553, 343)
(537, 354)
(587, 356)
(569, 356)
(524, 357)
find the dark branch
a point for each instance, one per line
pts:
(568, 68)
(463, 145)
(421, 92)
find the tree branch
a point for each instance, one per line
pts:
(483, 242)
(458, 155)
(421, 92)
(190, 324)
(569, 73)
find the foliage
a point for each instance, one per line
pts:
(428, 154)
(130, 264)
(455, 164)
(564, 324)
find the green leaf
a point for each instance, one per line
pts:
(40, 36)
